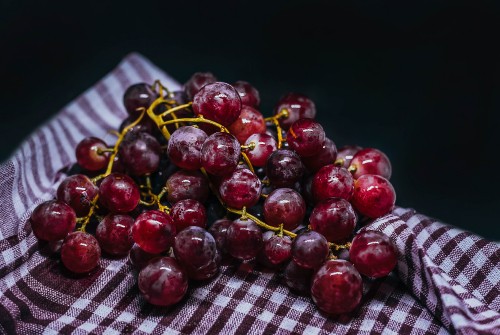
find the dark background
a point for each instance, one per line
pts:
(418, 80)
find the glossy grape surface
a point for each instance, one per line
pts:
(265, 145)
(240, 189)
(52, 220)
(196, 250)
(306, 137)
(337, 287)
(286, 206)
(243, 239)
(371, 161)
(80, 252)
(154, 231)
(332, 181)
(219, 230)
(334, 218)
(114, 234)
(248, 94)
(163, 282)
(298, 106)
(187, 185)
(373, 196)
(345, 155)
(184, 147)
(89, 154)
(137, 98)
(139, 258)
(220, 154)
(297, 278)
(218, 102)
(196, 82)
(249, 122)
(140, 153)
(284, 168)
(327, 155)
(310, 249)
(278, 249)
(119, 193)
(77, 191)
(188, 212)
(373, 254)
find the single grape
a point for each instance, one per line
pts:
(334, 218)
(80, 252)
(119, 193)
(373, 196)
(306, 137)
(248, 94)
(326, 156)
(278, 249)
(373, 254)
(310, 249)
(196, 250)
(265, 145)
(298, 106)
(370, 161)
(284, 206)
(78, 191)
(218, 230)
(154, 231)
(140, 153)
(188, 212)
(138, 97)
(52, 220)
(284, 168)
(249, 122)
(243, 239)
(163, 282)
(196, 82)
(345, 155)
(187, 185)
(184, 147)
(220, 154)
(337, 287)
(145, 125)
(139, 258)
(297, 278)
(90, 154)
(218, 102)
(114, 234)
(332, 181)
(240, 189)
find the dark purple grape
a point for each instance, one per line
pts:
(334, 218)
(154, 231)
(284, 168)
(138, 97)
(140, 153)
(310, 249)
(248, 94)
(326, 156)
(114, 234)
(243, 239)
(373, 254)
(196, 82)
(196, 250)
(220, 154)
(90, 155)
(80, 252)
(184, 147)
(285, 206)
(78, 191)
(119, 193)
(297, 278)
(52, 220)
(139, 258)
(240, 189)
(298, 106)
(306, 137)
(187, 185)
(218, 102)
(337, 287)
(218, 231)
(163, 282)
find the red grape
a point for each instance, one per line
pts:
(196, 82)
(346, 153)
(188, 212)
(310, 249)
(371, 161)
(334, 218)
(337, 287)
(265, 145)
(278, 249)
(154, 231)
(140, 153)
(332, 181)
(89, 154)
(298, 106)
(285, 206)
(306, 137)
(249, 122)
(243, 239)
(139, 258)
(219, 231)
(138, 96)
(248, 94)
(184, 147)
(297, 278)
(218, 102)
(163, 282)
(52, 220)
(114, 234)
(284, 168)
(240, 189)
(220, 154)
(373, 196)
(80, 252)
(119, 193)
(373, 254)
(78, 191)
(187, 185)
(325, 156)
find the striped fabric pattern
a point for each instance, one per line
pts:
(446, 281)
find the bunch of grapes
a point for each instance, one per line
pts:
(199, 175)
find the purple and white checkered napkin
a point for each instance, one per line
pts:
(447, 280)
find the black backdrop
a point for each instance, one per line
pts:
(419, 80)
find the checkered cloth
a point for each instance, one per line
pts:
(447, 280)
